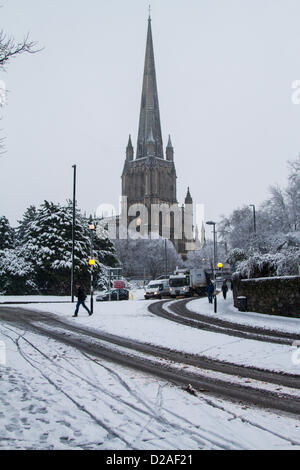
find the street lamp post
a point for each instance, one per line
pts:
(92, 264)
(73, 232)
(214, 262)
(166, 259)
(254, 217)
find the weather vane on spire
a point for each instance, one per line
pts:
(149, 12)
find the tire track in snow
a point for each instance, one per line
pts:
(210, 403)
(79, 406)
(152, 416)
(217, 386)
(181, 314)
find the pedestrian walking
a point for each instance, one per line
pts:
(81, 297)
(210, 291)
(224, 289)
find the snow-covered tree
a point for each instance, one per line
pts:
(45, 241)
(293, 193)
(23, 224)
(205, 256)
(6, 234)
(237, 230)
(275, 246)
(147, 256)
(16, 274)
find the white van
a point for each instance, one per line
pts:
(156, 289)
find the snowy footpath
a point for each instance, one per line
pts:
(227, 311)
(55, 397)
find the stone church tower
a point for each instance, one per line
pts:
(149, 176)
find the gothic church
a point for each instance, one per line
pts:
(149, 176)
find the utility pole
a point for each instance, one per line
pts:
(109, 281)
(92, 263)
(166, 259)
(73, 232)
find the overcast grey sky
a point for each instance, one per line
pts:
(224, 72)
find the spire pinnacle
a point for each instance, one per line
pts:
(149, 112)
(129, 150)
(170, 150)
(129, 142)
(169, 143)
(188, 198)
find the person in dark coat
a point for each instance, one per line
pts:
(224, 289)
(81, 299)
(210, 291)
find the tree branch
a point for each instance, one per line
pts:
(10, 48)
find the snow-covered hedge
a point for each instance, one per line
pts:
(270, 264)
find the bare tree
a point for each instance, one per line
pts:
(9, 47)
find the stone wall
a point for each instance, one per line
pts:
(274, 296)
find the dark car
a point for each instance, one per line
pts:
(123, 295)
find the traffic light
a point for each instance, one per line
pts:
(92, 262)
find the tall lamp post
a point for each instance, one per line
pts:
(214, 261)
(166, 259)
(73, 232)
(254, 217)
(92, 264)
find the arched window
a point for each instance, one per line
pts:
(160, 224)
(172, 228)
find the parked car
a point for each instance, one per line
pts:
(123, 295)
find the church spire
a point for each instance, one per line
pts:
(149, 113)
(170, 150)
(188, 197)
(129, 149)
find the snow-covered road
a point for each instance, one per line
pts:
(55, 397)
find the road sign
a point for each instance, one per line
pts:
(119, 284)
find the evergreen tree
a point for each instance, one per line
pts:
(46, 237)
(16, 274)
(6, 234)
(28, 217)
